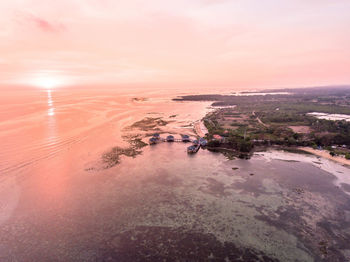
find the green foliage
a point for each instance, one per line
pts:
(214, 143)
(296, 136)
(279, 112)
(239, 143)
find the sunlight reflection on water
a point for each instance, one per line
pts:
(51, 110)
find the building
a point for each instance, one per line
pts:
(218, 138)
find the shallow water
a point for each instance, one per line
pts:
(333, 117)
(39, 124)
(57, 204)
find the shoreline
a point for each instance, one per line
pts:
(338, 170)
(325, 154)
(200, 129)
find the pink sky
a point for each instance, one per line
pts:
(238, 43)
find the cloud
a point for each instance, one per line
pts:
(223, 41)
(41, 23)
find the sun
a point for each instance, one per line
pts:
(47, 82)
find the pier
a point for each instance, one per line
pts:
(196, 144)
(175, 140)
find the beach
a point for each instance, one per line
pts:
(325, 154)
(200, 128)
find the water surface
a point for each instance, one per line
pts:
(58, 204)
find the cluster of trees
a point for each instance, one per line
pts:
(331, 133)
(341, 127)
(325, 132)
(329, 139)
(347, 155)
(235, 142)
(240, 144)
(283, 117)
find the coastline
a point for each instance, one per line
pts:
(200, 128)
(339, 170)
(325, 154)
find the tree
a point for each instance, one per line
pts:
(245, 146)
(332, 153)
(214, 143)
(296, 136)
(347, 156)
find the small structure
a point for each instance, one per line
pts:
(153, 140)
(156, 136)
(203, 142)
(170, 138)
(185, 138)
(192, 149)
(218, 138)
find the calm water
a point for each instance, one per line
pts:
(58, 204)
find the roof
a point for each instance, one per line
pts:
(218, 137)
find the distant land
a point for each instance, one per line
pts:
(317, 117)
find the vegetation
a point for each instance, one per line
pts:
(112, 157)
(149, 124)
(263, 120)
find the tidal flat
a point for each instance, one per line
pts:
(191, 208)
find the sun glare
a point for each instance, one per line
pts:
(47, 82)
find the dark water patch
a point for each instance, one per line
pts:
(289, 219)
(313, 208)
(298, 218)
(176, 244)
(335, 240)
(292, 175)
(251, 185)
(214, 187)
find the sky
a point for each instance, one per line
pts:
(235, 43)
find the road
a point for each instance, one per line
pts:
(259, 120)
